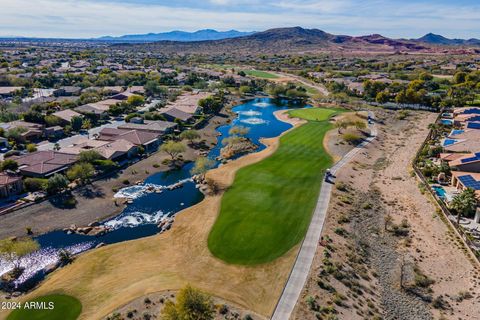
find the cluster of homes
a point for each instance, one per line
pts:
(461, 151)
(118, 141)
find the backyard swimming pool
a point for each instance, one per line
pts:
(441, 193)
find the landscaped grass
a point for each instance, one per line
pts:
(260, 74)
(268, 208)
(314, 114)
(64, 308)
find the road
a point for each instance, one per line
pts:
(71, 140)
(320, 87)
(301, 269)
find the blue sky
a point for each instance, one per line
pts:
(92, 18)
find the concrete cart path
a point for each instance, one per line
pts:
(301, 269)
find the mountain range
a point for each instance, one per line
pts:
(279, 40)
(182, 36)
(300, 40)
(441, 40)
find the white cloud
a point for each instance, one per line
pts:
(89, 18)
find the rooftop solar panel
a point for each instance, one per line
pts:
(470, 182)
(473, 125)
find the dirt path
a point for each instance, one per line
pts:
(95, 202)
(287, 77)
(361, 266)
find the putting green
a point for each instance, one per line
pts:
(268, 208)
(63, 307)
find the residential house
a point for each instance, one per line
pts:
(124, 95)
(54, 132)
(67, 91)
(10, 184)
(66, 115)
(32, 131)
(99, 108)
(469, 162)
(42, 164)
(463, 180)
(148, 140)
(140, 90)
(6, 92)
(158, 127)
(116, 150)
(172, 114)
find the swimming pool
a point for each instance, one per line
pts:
(447, 122)
(441, 193)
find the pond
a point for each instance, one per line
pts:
(141, 217)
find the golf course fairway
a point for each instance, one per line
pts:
(268, 208)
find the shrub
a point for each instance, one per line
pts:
(343, 219)
(126, 181)
(69, 202)
(312, 304)
(341, 186)
(341, 232)
(106, 165)
(223, 309)
(9, 164)
(35, 184)
(56, 183)
(351, 138)
(422, 280)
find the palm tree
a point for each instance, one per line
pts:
(464, 204)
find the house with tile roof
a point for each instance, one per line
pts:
(43, 164)
(10, 184)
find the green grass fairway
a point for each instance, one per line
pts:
(65, 308)
(314, 114)
(260, 74)
(268, 208)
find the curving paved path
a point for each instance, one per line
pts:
(298, 275)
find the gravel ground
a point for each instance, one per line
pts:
(379, 184)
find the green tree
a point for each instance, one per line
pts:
(81, 171)
(89, 156)
(52, 121)
(202, 165)
(14, 249)
(9, 164)
(86, 124)
(57, 183)
(76, 123)
(459, 77)
(135, 100)
(35, 184)
(173, 149)
(31, 147)
(15, 134)
(192, 304)
(190, 135)
(382, 97)
(212, 104)
(464, 203)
